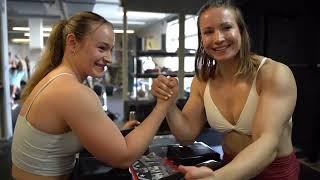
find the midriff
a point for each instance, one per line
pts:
(19, 174)
(234, 142)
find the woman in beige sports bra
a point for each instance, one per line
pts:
(60, 115)
(249, 98)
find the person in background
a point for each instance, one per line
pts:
(27, 62)
(247, 97)
(12, 60)
(60, 114)
(16, 75)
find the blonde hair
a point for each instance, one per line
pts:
(204, 65)
(79, 25)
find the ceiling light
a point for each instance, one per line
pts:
(44, 34)
(48, 29)
(121, 31)
(107, 1)
(145, 15)
(21, 28)
(128, 22)
(17, 40)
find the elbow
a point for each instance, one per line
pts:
(123, 162)
(186, 139)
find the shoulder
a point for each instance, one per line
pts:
(273, 70)
(73, 95)
(275, 75)
(198, 86)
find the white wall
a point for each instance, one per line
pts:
(152, 35)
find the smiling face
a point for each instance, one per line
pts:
(95, 51)
(220, 35)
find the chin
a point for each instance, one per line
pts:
(97, 74)
(224, 58)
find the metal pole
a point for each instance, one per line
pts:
(181, 54)
(125, 55)
(5, 111)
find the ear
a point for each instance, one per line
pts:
(71, 43)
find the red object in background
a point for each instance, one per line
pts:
(152, 167)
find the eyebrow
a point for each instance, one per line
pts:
(226, 23)
(222, 24)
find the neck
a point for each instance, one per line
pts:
(68, 66)
(226, 70)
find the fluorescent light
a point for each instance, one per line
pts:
(128, 22)
(17, 40)
(44, 34)
(107, 1)
(121, 31)
(145, 15)
(28, 29)
(21, 28)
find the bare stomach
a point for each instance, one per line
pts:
(234, 142)
(19, 174)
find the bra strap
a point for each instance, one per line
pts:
(44, 86)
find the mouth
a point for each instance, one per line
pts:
(101, 66)
(221, 48)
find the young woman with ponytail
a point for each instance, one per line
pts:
(60, 115)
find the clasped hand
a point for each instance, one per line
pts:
(164, 87)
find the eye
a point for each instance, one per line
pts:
(207, 32)
(226, 27)
(102, 48)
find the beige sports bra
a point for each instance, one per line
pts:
(41, 153)
(217, 120)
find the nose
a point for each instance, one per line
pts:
(108, 57)
(218, 37)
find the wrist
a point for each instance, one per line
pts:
(172, 107)
(161, 108)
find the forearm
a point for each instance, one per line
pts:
(180, 127)
(139, 139)
(250, 161)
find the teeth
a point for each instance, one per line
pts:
(220, 48)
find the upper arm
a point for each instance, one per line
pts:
(83, 112)
(194, 109)
(276, 102)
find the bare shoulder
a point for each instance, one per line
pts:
(198, 86)
(273, 69)
(75, 96)
(275, 74)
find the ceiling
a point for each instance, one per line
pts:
(19, 11)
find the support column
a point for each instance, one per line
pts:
(125, 55)
(181, 54)
(36, 40)
(36, 33)
(5, 106)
